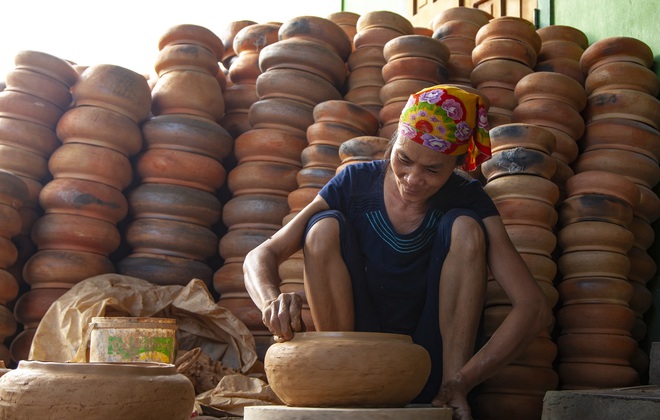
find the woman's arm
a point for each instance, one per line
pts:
(280, 311)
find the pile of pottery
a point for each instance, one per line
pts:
(561, 50)
(174, 207)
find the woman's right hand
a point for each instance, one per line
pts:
(283, 316)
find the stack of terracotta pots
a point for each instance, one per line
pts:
(414, 62)
(243, 74)
(561, 50)
(304, 68)
(84, 202)
(365, 80)
(227, 35)
(347, 21)
(621, 136)
(174, 206)
(13, 193)
(506, 51)
(362, 149)
(335, 122)
(519, 180)
(595, 321)
(457, 28)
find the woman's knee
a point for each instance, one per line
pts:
(322, 237)
(467, 234)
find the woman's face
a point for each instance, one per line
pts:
(419, 172)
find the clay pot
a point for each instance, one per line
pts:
(320, 156)
(7, 322)
(416, 46)
(116, 88)
(192, 34)
(174, 202)
(596, 375)
(144, 389)
(523, 186)
(237, 242)
(641, 301)
(519, 161)
(317, 29)
(415, 68)
(164, 270)
(188, 133)
(10, 221)
(31, 307)
(84, 198)
(643, 232)
(363, 147)
(466, 14)
(401, 89)
(622, 75)
(100, 127)
(285, 114)
(171, 237)
(596, 348)
(585, 290)
(504, 48)
(346, 113)
(527, 211)
(245, 68)
(623, 103)
(302, 54)
(364, 77)
(594, 263)
(92, 163)
(637, 167)
(375, 37)
(64, 268)
(495, 295)
(500, 73)
(595, 207)
(333, 133)
(550, 113)
(181, 168)
(547, 85)
(270, 144)
(40, 85)
(13, 190)
(522, 135)
(458, 44)
(227, 35)
(186, 56)
(23, 163)
(606, 134)
(596, 318)
(301, 197)
(47, 64)
(648, 208)
(606, 183)
(262, 177)
(532, 239)
(33, 137)
(563, 33)
(297, 369)
(188, 92)
(595, 236)
(9, 253)
(367, 56)
(23, 106)
(254, 38)
(295, 84)
(643, 266)
(384, 19)
(560, 49)
(263, 209)
(566, 66)
(76, 233)
(510, 27)
(615, 49)
(457, 28)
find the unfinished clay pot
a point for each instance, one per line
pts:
(347, 369)
(51, 390)
(618, 48)
(64, 268)
(317, 29)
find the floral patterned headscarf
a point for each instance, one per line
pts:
(449, 120)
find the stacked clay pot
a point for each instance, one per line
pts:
(347, 21)
(304, 68)
(457, 29)
(595, 320)
(243, 74)
(561, 50)
(623, 138)
(362, 149)
(553, 101)
(13, 194)
(335, 122)
(174, 206)
(413, 62)
(365, 64)
(519, 180)
(506, 51)
(227, 35)
(84, 201)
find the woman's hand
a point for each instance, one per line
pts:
(282, 316)
(453, 395)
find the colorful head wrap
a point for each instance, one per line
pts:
(449, 120)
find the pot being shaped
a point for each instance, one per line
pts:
(50, 390)
(347, 369)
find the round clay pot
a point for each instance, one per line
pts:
(302, 54)
(366, 96)
(510, 27)
(253, 38)
(550, 113)
(595, 207)
(495, 295)
(365, 147)
(115, 88)
(616, 49)
(174, 202)
(543, 269)
(522, 135)
(171, 237)
(315, 177)
(458, 44)
(297, 369)
(643, 232)
(297, 85)
(622, 75)
(228, 34)
(47, 64)
(181, 168)
(263, 209)
(301, 197)
(375, 37)
(13, 190)
(39, 85)
(317, 29)
(92, 163)
(21, 344)
(243, 308)
(596, 348)
(566, 66)
(384, 19)
(84, 198)
(228, 280)
(563, 33)
(334, 133)
(367, 56)
(584, 290)
(500, 73)
(23, 106)
(637, 167)
(188, 133)
(596, 376)
(499, 97)
(649, 204)
(363, 77)
(270, 144)
(595, 236)
(504, 48)
(240, 96)
(532, 239)
(76, 233)
(606, 134)
(286, 114)
(519, 161)
(457, 28)
(642, 266)
(245, 69)
(28, 135)
(254, 177)
(401, 89)
(623, 103)
(320, 156)
(466, 14)
(237, 242)
(593, 263)
(548, 85)
(560, 49)
(7, 322)
(346, 113)
(415, 68)
(135, 389)
(100, 127)
(596, 318)
(527, 211)
(192, 34)
(603, 182)
(32, 306)
(22, 162)
(164, 270)
(188, 92)
(10, 221)
(523, 186)
(64, 268)
(416, 46)
(641, 300)
(9, 253)
(186, 56)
